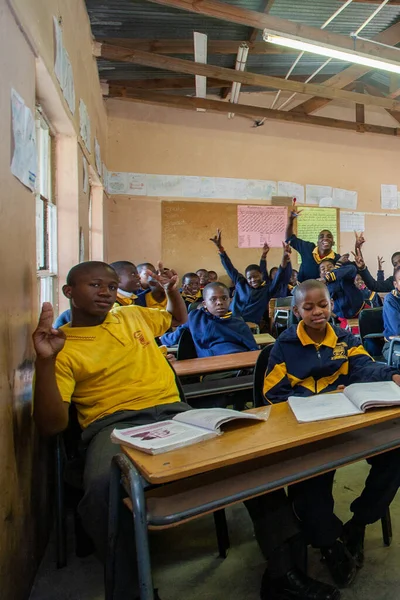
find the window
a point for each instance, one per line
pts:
(46, 215)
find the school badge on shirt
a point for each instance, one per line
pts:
(138, 335)
(339, 352)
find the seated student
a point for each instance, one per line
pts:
(293, 281)
(252, 294)
(314, 357)
(311, 254)
(215, 331)
(105, 362)
(348, 299)
(204, 278)
(212, 276)
(190, 290)
(391, 313)
(372, 284)
(371, 298)
(157, 298)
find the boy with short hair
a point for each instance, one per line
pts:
(215, 331)
(105, 362)
(311, 254)
(212, 276)
(311, 358)
(204, 277)
(252, 294)
(348, 299)
(391, 313)
(149, 284)
(190, 290)
(371, 298)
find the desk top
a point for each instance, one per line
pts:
(246, 441)
(262, 339)
(212, 364)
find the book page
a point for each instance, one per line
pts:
(321, 407)
(213, 418)
(377, 393)
(160, 437)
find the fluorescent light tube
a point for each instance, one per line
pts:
(359, 59)
(200, 56)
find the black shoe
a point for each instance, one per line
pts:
(340, 563)
(296, 586)
(353, 537)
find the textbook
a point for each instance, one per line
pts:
(185, 428)
(354, 400)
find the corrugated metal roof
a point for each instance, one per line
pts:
(143, 20)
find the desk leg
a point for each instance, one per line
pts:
(141, 534)
(221, 528)
(113, 524)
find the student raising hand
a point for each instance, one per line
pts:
(47, 341)
(265, 250)
(286, 254)
(358, 259)
(360, 240)
(168, 280)
(217, 240)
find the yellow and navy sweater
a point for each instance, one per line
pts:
(251, 303)
(348, 299)
(391, 315)
(299, 367)
(214, 336)
(190, 298)
(310, 259)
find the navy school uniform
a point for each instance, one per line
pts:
(372, 298)
(310, 259)
(251, 303)
(391, 315)
(214, 336)
(374, 285)
(348, 299)
(299, 367)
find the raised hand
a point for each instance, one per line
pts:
(47, 341)
(217, 239)
(380, 263)
(168, 280)
(295, 213)
(265, 250)
(358, 259)
(287, 250)
(360, 240)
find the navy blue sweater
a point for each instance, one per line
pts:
(299, 367)
(373, 284)
(251, 303)
(348, 299)
(310, 260)
(214, 336)
(391, 314)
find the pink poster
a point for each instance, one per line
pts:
(260, 224)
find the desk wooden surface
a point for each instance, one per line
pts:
(242, 442)
(262, 339)
(213, 364)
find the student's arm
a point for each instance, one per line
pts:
(362, 368)
(347, 271)
(277, 386)
(175, 303)
(173, 337)
(282, 278)
(380, 276)
(263, 263)
(290, 225)
(50, 412)
(225, 260)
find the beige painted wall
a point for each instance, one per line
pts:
(24, 501)
(149, 139)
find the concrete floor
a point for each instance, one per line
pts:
(185, 562)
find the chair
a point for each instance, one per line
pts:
(186, 347)
(283, 309)
(194, 305)
(259, 374)
(393, 359)
(370, 322)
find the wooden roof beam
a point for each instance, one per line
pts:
(191, 68)
(189, 103)
(186, 46)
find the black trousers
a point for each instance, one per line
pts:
(275, 527)
(313, 500)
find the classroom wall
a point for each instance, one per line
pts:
(148, 139)
(26, 55)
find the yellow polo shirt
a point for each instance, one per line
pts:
(116, 365)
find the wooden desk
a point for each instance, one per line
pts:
(263, 339)
(352, 323)
(213, 364)
(243, 442)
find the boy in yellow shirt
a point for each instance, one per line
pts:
(109, 365)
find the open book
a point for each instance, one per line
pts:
(185, 428)
(355, 399)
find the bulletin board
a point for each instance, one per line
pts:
(187, 227)
(313, 220)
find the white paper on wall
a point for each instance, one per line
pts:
(344, 198)
(63, 67)
(389, 197)
(325, 202)
(104, 173)
(293, 190)
(136, 184)
(117, 183)
(164, 185)
(350, 222)
(316, 193)
(85, 175)
(97, 156)
(24, 160)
